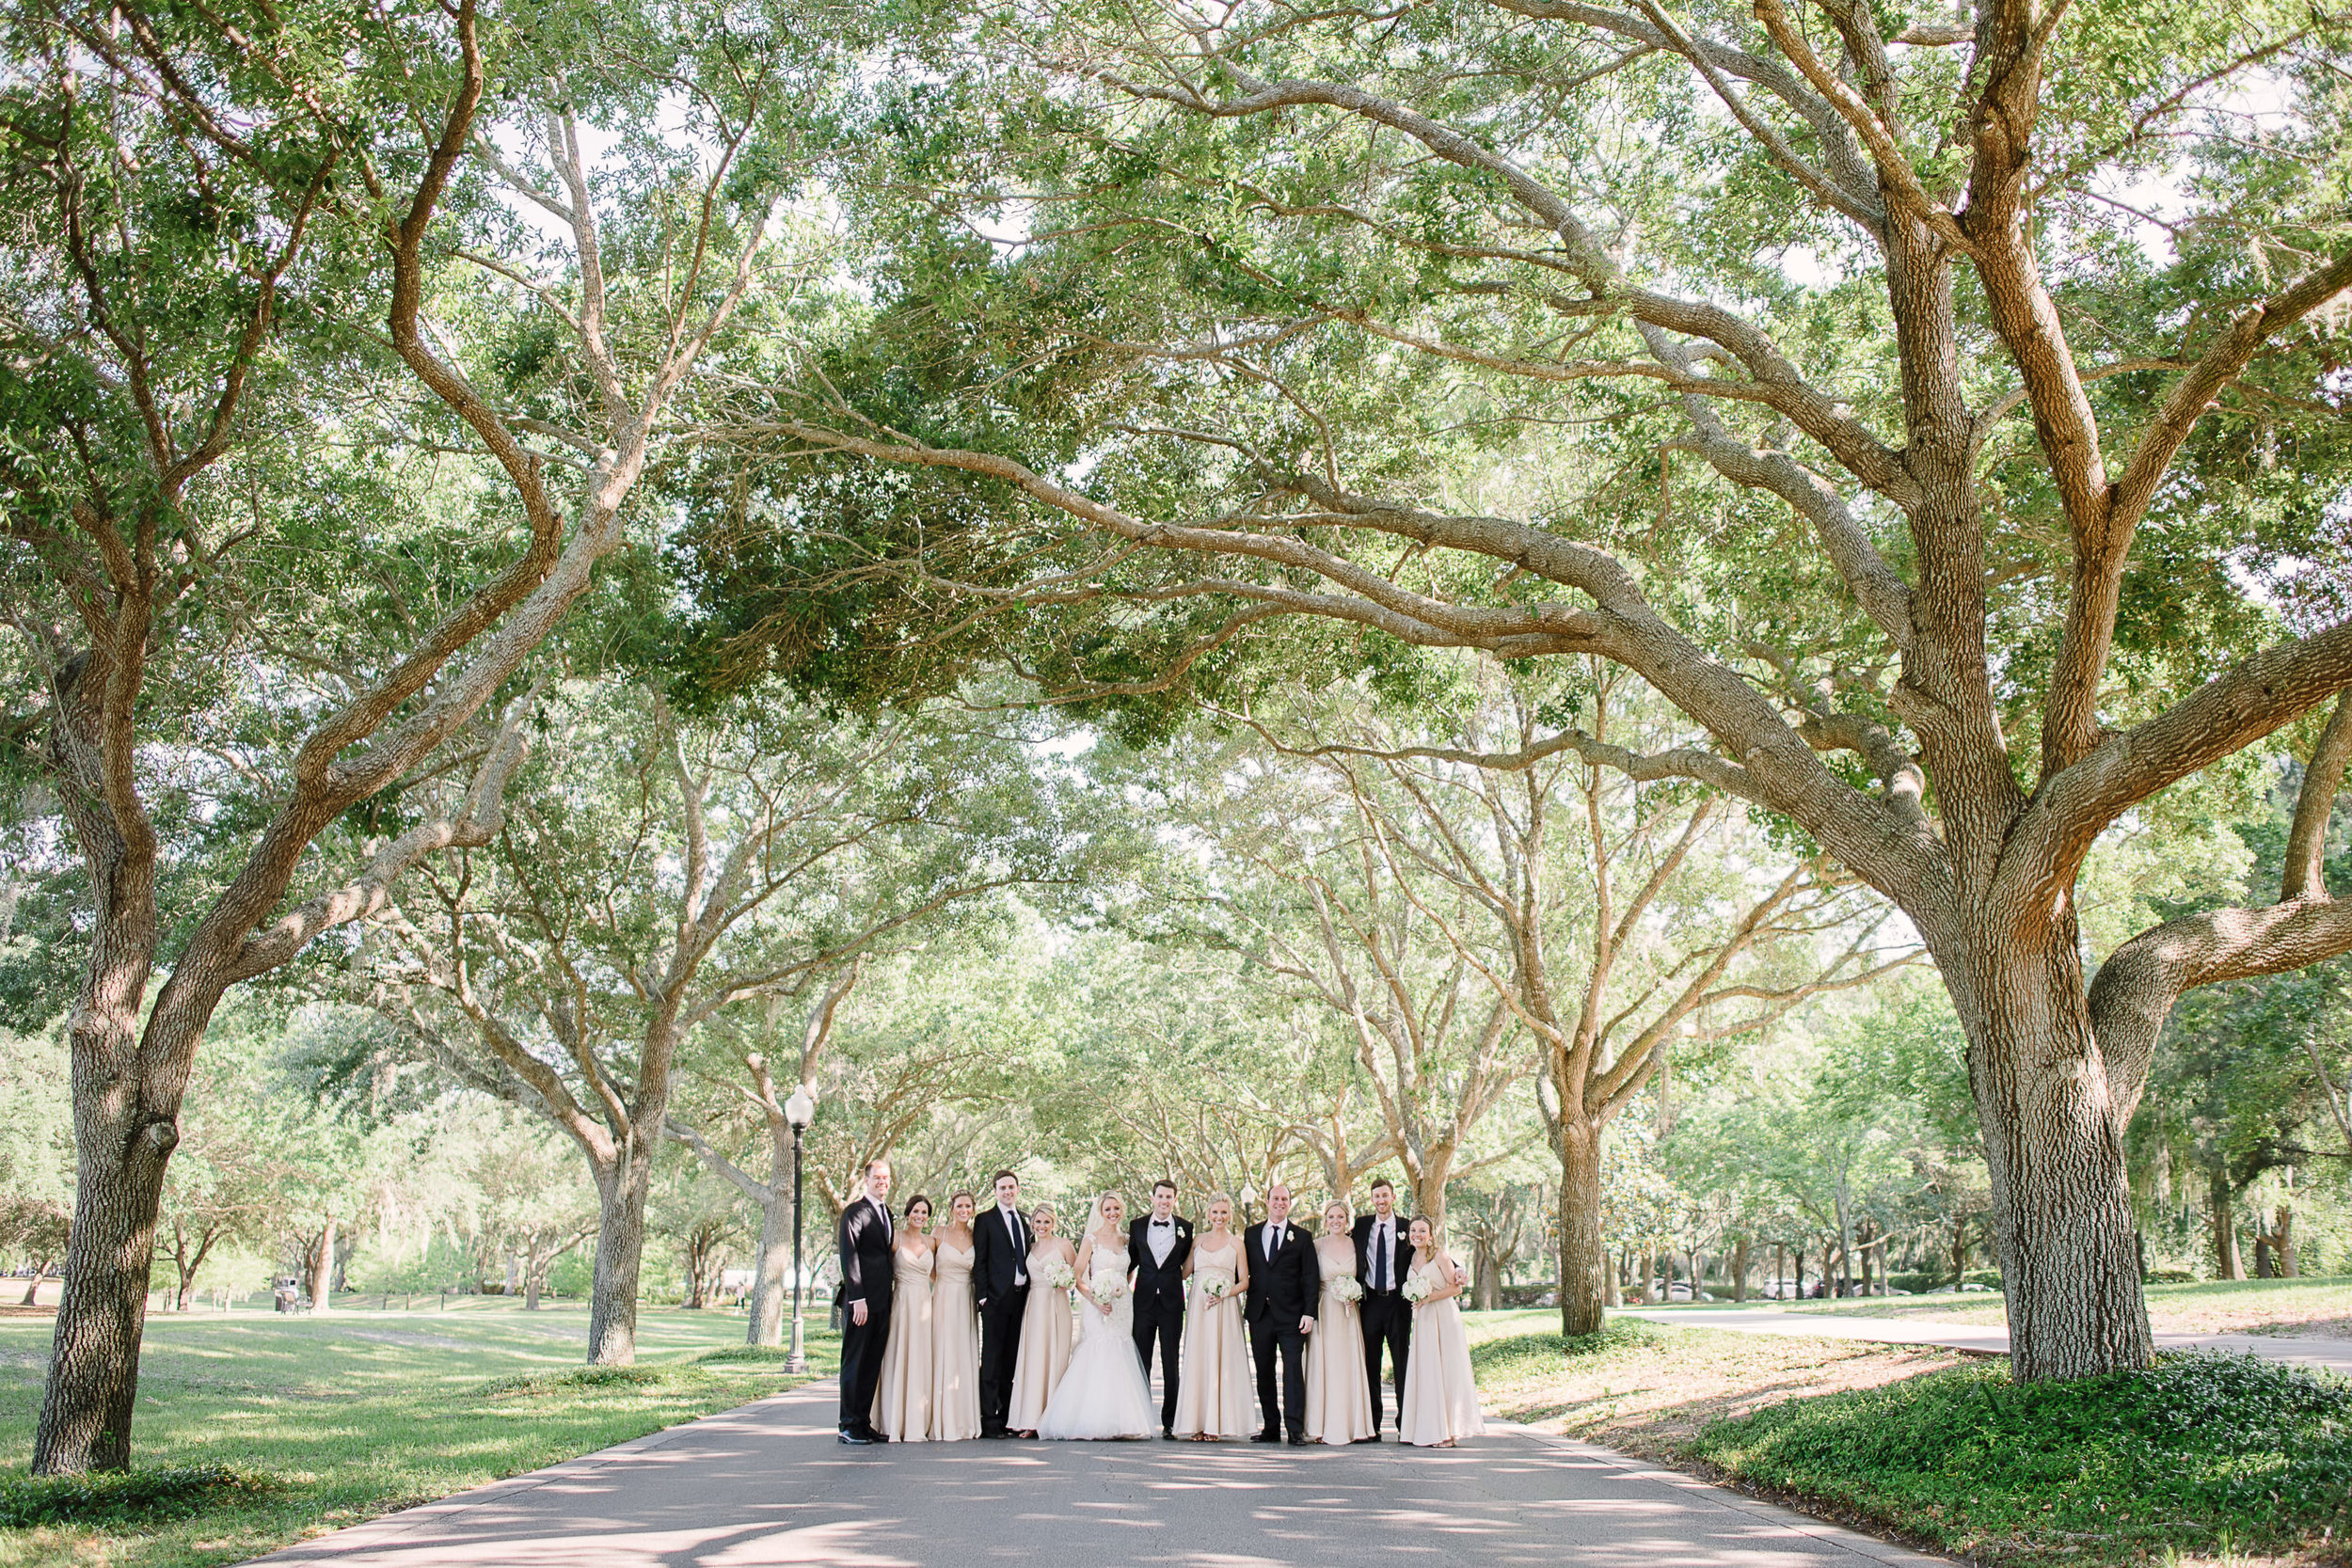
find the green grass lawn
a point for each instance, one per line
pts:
(2318, 1306)
(360, 1412)
(2209, 1456)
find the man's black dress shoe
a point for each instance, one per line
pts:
(1268, 1437)
(1373, 1438)
(995, 1435)
(1168, 1433)
(1298, 1442)
(855, 1439)
(873, 1436)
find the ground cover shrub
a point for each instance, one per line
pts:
(2198, 1451)
(130, 1497)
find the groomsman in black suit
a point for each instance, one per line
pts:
(864, 1244)
(1383, 1258)
(1158, 1246)
(1285, 1288)
(1000, 1283)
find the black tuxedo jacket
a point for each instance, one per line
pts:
(1162, 1283)
(1287, 1283)
(864, 1248)
(994, 1258)
(1363, 1250)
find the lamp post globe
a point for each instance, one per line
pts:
(798, 1110)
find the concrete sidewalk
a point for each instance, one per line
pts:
(1985, 1338)
(766, 1485)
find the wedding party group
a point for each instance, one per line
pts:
(966, 1329)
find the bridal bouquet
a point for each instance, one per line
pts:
(1058, 1275)
(1107, 1287)
(1348, 1288)
(1418, 1289)
(1215, 1284)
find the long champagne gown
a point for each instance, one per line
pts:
(1339, 1404)
(1213, 1393)
(955, 1348)
(1440, 1393)
(1047, 1329)
(902, 1402)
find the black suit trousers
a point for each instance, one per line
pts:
(1387, 1320)
(1161, 1319)
(1000, 1343)
(862, 1345)
(1269, 1336)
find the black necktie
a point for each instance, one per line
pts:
(1379, 1256)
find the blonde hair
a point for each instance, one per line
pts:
(1224, 1198)
(1342, 1205)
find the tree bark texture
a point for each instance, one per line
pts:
(323, 1269)
(1583, 1252)
(772, 1292)
(621, 1192)
(94, 1360)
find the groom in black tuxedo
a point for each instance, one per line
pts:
(1000, 1282)
(1285, 1287)
(1383, 1258)
(864, 1244)
(1158, 1246)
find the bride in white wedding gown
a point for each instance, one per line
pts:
(1103, 1394)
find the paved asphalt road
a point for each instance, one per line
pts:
(1990, 1338)
(767, 1486)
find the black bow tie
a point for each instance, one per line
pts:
(1163, 1225)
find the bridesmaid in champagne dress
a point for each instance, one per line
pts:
(902, 1402)
(1046, 1326)
(1440, 1395)
(955, 1331)
(1213, 1393)
(1339, 1402)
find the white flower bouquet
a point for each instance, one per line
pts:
(1346, 1289)
(1418, 1289)
(1215, 1284)
(1106, 1287)
(1058, 1275)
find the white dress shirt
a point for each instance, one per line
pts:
(1160, 1236)
(1020, 1253)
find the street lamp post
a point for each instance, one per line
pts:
(800, 1110)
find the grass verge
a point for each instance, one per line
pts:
(2206, 1456)
(273, 1429)
(2317, 1308)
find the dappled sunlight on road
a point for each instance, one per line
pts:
(767, 1486)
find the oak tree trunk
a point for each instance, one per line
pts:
(621, 1191)
(323, 1270)
(2062, 1221)
(94, 1360)
(1582, 1259)
(1740, 1269)
(2226, 1264)
(772, 1292)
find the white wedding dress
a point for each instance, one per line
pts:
(1104, 1393)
